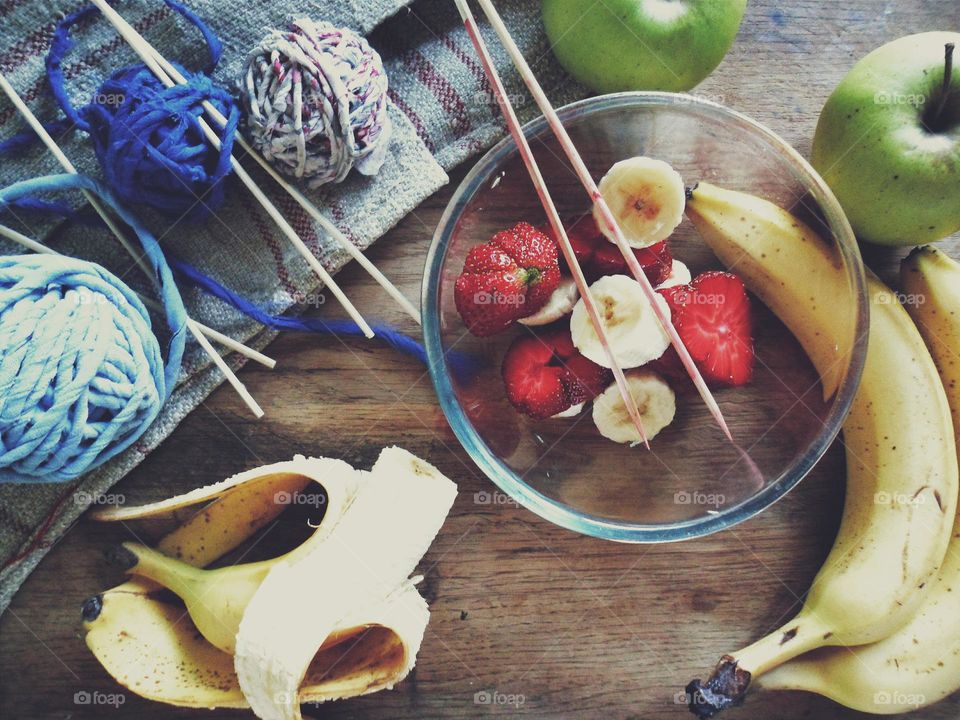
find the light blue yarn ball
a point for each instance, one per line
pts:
(81, 371)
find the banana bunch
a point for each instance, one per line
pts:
(335, 617)
(902, 476)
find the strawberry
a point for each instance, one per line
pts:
(510, 277)
(598, 256)
(712, 316)
(544, 374)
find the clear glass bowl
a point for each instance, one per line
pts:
(693, 482)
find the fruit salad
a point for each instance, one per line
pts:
(557, 364)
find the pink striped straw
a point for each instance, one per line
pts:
(585, 178)
(554, 218)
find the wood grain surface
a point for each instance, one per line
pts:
(558, 625)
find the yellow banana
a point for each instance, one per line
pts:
(902, 473)
(920, 663)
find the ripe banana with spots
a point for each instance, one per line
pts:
(920, 663)
(902, 475)
(247, 614)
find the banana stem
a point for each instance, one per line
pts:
(173, 574)
(732, 677)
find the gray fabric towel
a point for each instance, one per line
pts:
(443, 112)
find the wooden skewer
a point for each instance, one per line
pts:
(196, 329)
(37, 247)
(261, 197)
(552, 215)
(591, 187)
(166, 72)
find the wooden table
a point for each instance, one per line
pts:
(569, 626)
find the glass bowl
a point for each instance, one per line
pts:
(692, 482)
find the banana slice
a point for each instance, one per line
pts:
(570, 412)
(560, 302)
(679, 275)
(655, 401)
(636, 336)
(646, 197)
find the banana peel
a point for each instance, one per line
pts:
(343, 596)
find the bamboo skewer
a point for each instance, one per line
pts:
(552, 215)
(170, 76)
(195, 328)
(591, 187)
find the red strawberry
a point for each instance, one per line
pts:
(544, 374)
(598, 256)
(712, 316)
(508, 278)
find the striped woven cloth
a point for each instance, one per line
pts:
(443, 113)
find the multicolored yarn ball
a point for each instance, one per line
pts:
(146, 136)
(82, 374)
(315, 98)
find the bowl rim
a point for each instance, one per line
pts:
(554, 510)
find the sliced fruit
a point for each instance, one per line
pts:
(712, 316)
(508, 278)
(636, 336)
(679, 275)
(655, 401)
(544, 375)
(561, 303)
(570, 412)
(647, 199)
(598, 256)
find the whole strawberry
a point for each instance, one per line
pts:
(508, 278)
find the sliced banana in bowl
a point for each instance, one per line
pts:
(655, 401)
(635, 334)
(647, 198)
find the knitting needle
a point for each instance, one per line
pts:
(245, 178)
(166, 72)
(195, 328)
(108, 219)
(591, 187)
(33, 245)
(552, 215)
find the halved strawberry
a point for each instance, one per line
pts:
(598, 256)
(712, 317)
(544, 374)
(508, 278)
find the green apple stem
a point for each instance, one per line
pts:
(947, 80)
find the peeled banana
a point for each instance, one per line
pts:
(919, 664)
(902, 476)
(149, 646)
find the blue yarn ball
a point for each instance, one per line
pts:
(81, 371)
(150, 144)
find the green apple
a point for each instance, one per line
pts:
(617, 45)
(888, 142)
